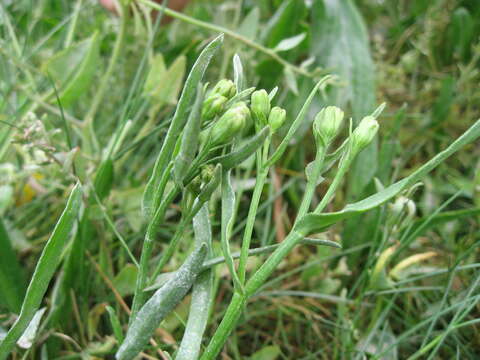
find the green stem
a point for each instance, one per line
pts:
(311, 185)
(230, 33)
(252, 213)
(90, 138)
(262, 173)
(342, 169)
(258, 279)
(139, 296)
(176, 237)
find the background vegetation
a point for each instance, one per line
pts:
(405, 283)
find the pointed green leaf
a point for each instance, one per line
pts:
(202, 294)
(73, 69)
(313, 223)
(160, 305)
(44, 271)
(153, 192)
(190, 140)
(238, 156)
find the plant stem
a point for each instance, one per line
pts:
(228, 32)
(252, 213)
(176, 237)
(311, 185)
(258, 279)
(344, 165)
(139, 296)
(90, 138)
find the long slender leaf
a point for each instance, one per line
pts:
(160, 305)
(190, 139)
(236, 157)
(202, 294)
(46, 266)
(312, 223)
(153, 192)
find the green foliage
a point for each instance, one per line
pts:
(44, 271)
(74, 68)
(239, 183)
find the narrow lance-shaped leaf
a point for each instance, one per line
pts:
(312, 223)
(153, 192)
(46, 266)
(160, 305)
(190, 139)
(240, 96)
(238, 76)
(290, 43)
(236, 157)
(228, 208)
(202, 294)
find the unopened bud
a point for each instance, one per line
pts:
(207, 173)
(403, 204)
(327, 124)
(364, 133)
(230, 124)
(195, 185)
(260, 104)
(276, 118)
(225, 88)
(213, 105)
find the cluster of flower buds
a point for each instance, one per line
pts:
(230, 124)
(328, 122)
(214, 104)
(262, 112)
(233, 118)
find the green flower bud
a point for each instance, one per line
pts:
(260, 104)
(207, 172)
(225, 88)
(276, 118)
(327, 124)
(364, 133)
(212, 106)
(195, 185)
(229, 125)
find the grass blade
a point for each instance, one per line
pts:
(46, 266)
